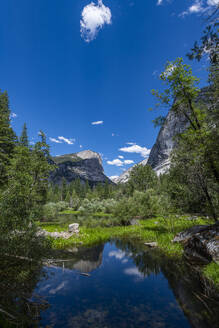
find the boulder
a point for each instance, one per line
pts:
(134, 221)
(73, 228)
(186, 234)
(201, 243)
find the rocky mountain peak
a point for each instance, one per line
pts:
(88, 154)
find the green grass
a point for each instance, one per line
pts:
(211, 271)
(159, 229)
(162, 230)
(97, 214)
(69, 212)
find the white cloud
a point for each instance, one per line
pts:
(68, 141)
(133, 272)
(159, 2)
(128, 161)
(119, 162)
(81, 146)
(62, 139)
(130, 143)
(55, 140)
(119, 255)
(120, 156)
(200, 6)
(13, 115)
(116, 162)
(213, 2)
(143, 151)
(97, 123)
(93, 18)
(196, 7)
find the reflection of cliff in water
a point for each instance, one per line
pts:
(198, 300)
(83, 259)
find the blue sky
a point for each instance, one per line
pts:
(66, 64)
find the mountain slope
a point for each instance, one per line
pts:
(85, 165)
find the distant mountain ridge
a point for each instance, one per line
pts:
(85, 165)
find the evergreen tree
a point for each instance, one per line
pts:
(24, 138)
(142, 178)
(26, 191)
(7, 137)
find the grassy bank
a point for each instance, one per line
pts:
(161, 230)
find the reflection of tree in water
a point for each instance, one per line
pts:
(18, 306)
(20, 272)
(197, 298)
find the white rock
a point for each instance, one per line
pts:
(74, 227)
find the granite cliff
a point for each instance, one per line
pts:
(85, 165)
(159, 157)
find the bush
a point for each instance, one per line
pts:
(142, 204)
(50, 211)
(62, 206)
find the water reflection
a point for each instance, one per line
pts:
(128, 285)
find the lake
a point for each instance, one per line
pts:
(119, 284)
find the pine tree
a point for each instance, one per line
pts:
(7, 137)
(24, 138)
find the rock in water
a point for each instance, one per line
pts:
(201, 243)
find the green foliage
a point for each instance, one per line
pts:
(142, 178)
(24, 138)
(22, 199)
(7, 138)
(211, 271)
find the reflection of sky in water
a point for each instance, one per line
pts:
(116, 294)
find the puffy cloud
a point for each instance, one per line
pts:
(68, 141)
(143, 151)
(55, 140)
(159, 2)
(130, 143)
(13, 115)
(196, 7)
(119, 162)
(97, 123)
(128, 161)
(93, 18)
(120, 156)
(119, 255)
(116, 162)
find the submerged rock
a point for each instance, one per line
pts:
(152, 244)
(201, 243)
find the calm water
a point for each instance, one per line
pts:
(128, 286)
